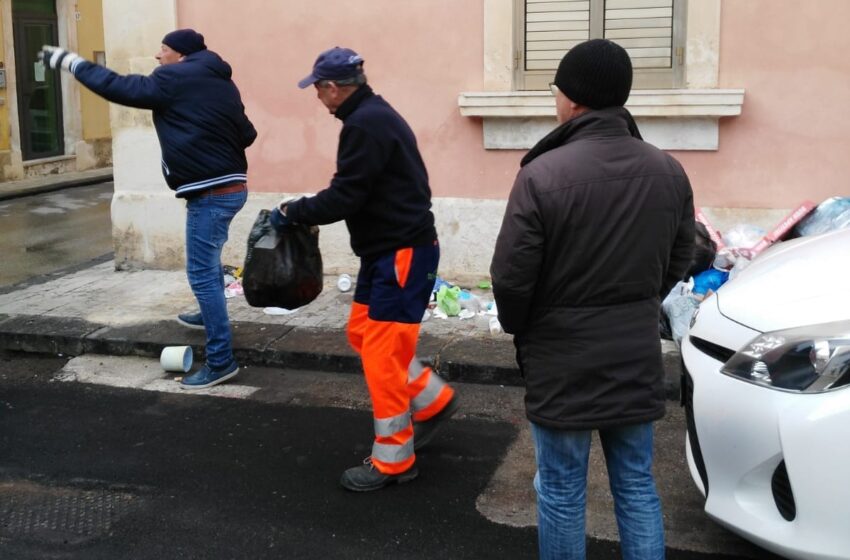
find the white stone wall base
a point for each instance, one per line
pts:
(149, 232)
(674, 133)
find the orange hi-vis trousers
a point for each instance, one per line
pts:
(391, 296)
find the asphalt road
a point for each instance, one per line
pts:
(92, 471)
(96, 472)
(48, 232)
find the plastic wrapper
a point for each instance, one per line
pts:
(831, 214)
(447, 300)
(743, 236)
(282, 268)
(679, 307)
(709, 281)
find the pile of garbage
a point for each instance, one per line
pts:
(720, 258)
(448, 300)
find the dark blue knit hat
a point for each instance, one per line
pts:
(185, 41)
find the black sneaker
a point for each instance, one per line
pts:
(366, 477)
(191, 320)
(423, 432)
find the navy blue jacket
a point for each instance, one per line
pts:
(197, 112)
(380, 187)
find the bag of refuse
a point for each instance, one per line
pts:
(831, 214)
(704, 251)
(743, 236)
(447, 300)
(679, 307)
(709, 281)
(282, 268)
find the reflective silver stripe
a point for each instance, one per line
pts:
(386, 427)
(388, 453)
(415, 369)
(429, 394)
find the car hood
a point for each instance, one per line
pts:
(795, 283)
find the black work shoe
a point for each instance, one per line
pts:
(366, 477)
(423, 432)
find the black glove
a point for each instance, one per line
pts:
(278, 220)
(57, 57)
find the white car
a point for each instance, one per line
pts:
(766, 390)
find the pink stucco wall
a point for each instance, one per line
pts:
(792, 141)
(419, 55)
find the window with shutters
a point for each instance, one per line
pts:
(652, 31)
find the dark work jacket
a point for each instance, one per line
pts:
(380, 187)
(198, 116)
(598, 225)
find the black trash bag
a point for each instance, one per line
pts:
(282, 269)
(704, 251)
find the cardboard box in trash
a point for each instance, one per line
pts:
(712, 233)
(776, 234)
(783, 227)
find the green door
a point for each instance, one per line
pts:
(39, 92)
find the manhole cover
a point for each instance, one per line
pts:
(60, 514)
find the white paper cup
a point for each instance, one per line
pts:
(176, 358)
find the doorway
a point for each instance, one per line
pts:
(38, 87)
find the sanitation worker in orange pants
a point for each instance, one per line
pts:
(381, 190)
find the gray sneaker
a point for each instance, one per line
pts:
(191, 320)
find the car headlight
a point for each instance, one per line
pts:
(808, 359)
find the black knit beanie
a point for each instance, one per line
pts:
(185, 41)
(596, 74)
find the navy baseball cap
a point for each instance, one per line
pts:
(334, 64)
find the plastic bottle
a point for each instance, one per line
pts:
(495, 325)
(343, 282)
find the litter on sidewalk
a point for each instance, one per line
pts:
(719, 258)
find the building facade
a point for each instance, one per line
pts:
(48, 123)
(749, 95)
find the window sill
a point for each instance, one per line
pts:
(676, 119)
(641, 103)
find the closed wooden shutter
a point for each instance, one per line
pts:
(652, 31)
(553, 28)
(644, 28)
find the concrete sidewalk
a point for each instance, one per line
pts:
(48, 183)
(98, 310)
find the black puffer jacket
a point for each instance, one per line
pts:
(598, 225)
(197, 112)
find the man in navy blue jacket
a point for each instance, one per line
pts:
(381, 191)
(203, 133)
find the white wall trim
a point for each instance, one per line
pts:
(641, 103)
(72, 123)
(682, 119)
(676, 119)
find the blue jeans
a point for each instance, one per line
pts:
(561, 484)
(207, 223)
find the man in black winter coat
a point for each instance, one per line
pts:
(599, 226)
(381, 190)
(203, 133)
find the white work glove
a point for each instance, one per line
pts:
(57, 57)
(286, 200)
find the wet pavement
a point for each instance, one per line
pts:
(43, 233)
